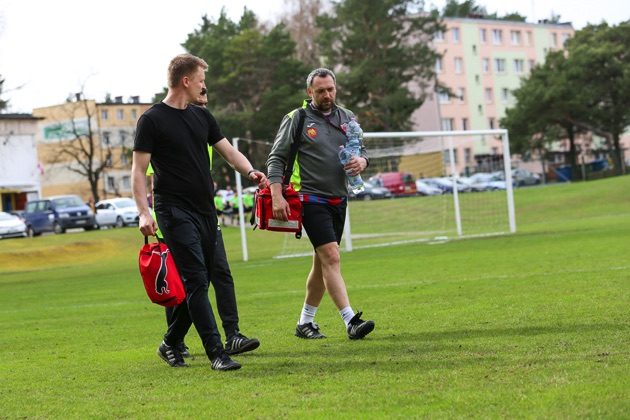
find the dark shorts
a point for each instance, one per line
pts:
(323, 222)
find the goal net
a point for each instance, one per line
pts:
(420, 187)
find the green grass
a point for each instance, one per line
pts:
(531, 325)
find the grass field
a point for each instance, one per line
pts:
(530, 325)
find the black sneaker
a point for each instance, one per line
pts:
(223, 362)
(182, 348)
(358, 328)
(310, 330)
(238, 343)
(171, 355)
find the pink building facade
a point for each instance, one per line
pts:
(482, 62)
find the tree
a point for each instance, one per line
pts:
(253, 79)
(301, 23)
(78, 148)
(470, 9)
(547, 109)
(382, 55)
(599, 65)
(3, 103)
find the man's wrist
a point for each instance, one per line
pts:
(251, 171)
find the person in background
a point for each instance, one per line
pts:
(173, 136)
(320, 179)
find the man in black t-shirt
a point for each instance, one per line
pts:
(174, 136)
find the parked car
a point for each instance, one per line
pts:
(484, 181)
(371, 191)
(11, 226)
(424, 188)
(521, 177)
(57, 214)
(105, 216)
(398, 183)
(125, 212)
(446, 184)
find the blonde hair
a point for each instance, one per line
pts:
(183, 65)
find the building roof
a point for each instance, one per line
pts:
(19, 117)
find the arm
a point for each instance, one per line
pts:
(239, 162)
(276, 164)
(147, 225)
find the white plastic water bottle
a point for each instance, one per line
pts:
(352, 148)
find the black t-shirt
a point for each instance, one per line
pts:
(178, 141)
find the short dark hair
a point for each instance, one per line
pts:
(183, 65)
(320, 72)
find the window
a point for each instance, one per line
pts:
(499, 65)
(497, 36)
(111, 183)
(532, 64)
(104, 114)
(126, 182)
(485, 65)
(461, 94)
(480, 109)
(519, 65)
(530, 39)
(505, 94)
(134, 114)
(106, 140)
(516, 37)
(474, 49)
(554, 39)
(443, 97)
(495, 151)
(477, 78)
(455, 34)
(467, 155)
(482, 35)
(491, 125)
(120, 114)
(123, 137)
(447, 124)
(124, 159)
(459, 64)
(438, 65)
(438, 36)
(447, 156)
(488, 95)
(464, 123)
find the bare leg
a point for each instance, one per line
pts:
(329, 271)
(315, 288)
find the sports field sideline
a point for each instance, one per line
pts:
(530, 325)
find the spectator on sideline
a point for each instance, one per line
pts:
(174, 135)
(320, 179)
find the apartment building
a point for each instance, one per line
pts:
(482, 62)
(111, 126)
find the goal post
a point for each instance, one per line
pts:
(422, 187)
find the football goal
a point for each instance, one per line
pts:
(419, 187)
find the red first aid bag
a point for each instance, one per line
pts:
(264, 212)
(161, 279)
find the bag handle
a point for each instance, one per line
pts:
(146, 240)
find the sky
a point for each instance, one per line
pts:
(50, 49)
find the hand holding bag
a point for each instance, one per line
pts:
(159, 274)
(264, 211)
(262, 217)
